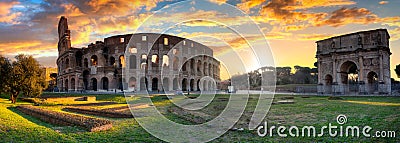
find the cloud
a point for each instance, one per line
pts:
(246, 5)
(119, 7)
(26, 47)
(277, 13)
(6, 15)
(395, 34)
(306, 4)
(383, 2)
(344, 16)
(313, 37)
(218, 1)
(277, 35)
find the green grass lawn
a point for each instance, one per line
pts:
(381, 113)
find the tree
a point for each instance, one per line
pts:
(23, 76)
(5, 70)
(53, 76)
(397, 70)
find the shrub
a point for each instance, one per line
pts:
(59, 118)
(335, 98)
(104, 113)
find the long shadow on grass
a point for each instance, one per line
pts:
(63, 129)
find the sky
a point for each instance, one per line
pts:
(239, 31)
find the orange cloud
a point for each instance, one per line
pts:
(277, 35)
(345, 16)
(305, 4)
(6, 15)
(120, 7)
(26, 47)
(246, 5)
(71, 10)
(276, 13)
(313, 37)
(383, 2)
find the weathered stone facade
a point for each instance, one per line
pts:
(356, 63)
(136, 62)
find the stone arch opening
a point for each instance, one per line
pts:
(184, 84)
(372, 79)
(85, 63)
(328, 83)
(73, 84)
(94, 84)
(175, 84)
(86, 79)
(198, 85)
(132, 83)
(67, 63)
(154, 60)
(349, 73)
(78, 58)
(154, 84)
(349, 77)
(165, 62)
(66, 85)
(104, 83)
(112, 61)
(166, 84)
(121, 61)
(94, 60)
(132, 62)
(192, 85)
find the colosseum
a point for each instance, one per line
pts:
(135, 62)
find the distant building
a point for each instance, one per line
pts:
(48, 71)
(356, 63)
(171, 63)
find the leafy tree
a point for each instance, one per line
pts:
(316, 64)
(53, 76)
(397, 70)
(283, 75)
(5, 70)
(24, 76)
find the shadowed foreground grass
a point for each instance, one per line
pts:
(381, 113)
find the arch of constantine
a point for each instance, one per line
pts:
(355, 63)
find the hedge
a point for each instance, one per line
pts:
(60, 118)
(113, 112)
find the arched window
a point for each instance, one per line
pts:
(112, 61)
(132, 62)
(143, 61)
(94, 60)
(121, 61)
(67, 63)
(133, 50)
(154, 60)
(165, 61)
(85, 63)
